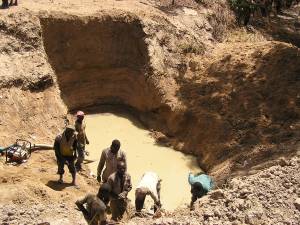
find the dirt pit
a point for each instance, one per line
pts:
(143, 154)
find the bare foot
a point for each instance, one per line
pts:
(75, 185)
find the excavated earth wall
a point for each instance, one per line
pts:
(224, 104)
(100, 60)
(234, 105)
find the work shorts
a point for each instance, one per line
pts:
(118, 208)
(69, 160)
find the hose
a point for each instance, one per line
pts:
(42, 146)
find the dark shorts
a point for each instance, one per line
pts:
(69, 160)
(118, 208)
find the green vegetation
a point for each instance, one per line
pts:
(243, 10)
(190, 47)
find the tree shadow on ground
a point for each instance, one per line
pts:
(284, 27)
(58, 186)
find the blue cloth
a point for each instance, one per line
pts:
(205, 180)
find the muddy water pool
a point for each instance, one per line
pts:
(143, 154)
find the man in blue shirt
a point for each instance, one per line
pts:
(200, 185)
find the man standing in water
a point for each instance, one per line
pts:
(65, 146)
(149, 185)
(200, 185)
(81, 137)
(120, 185)
(110, 158)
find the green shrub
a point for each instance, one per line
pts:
(189, 47)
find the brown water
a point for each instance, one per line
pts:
(143, 155)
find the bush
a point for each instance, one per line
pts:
(196, 48)
(243, 10)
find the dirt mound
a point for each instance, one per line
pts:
(268, 197)
(30, 193)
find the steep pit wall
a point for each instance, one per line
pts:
(245, 104)
(100, 60)
(30, 105)
(230, 108)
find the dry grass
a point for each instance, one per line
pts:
(192, 47)
(244, 35)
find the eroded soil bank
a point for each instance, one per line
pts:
(234, 105)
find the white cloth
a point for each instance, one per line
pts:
(149, 181)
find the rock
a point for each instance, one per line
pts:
(217, 194)
(240, 203)
(250, 219)
(208, 213)
(297, 203)
(244, 193)
(283, 162)
(11, 213)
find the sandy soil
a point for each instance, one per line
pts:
(30, 193)
(235, 105)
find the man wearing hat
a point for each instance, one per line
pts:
(200, 185)
(81, 137)
(65, 146)
(110, 158)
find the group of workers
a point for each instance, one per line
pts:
(115, 182)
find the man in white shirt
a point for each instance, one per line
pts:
(149, 185)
